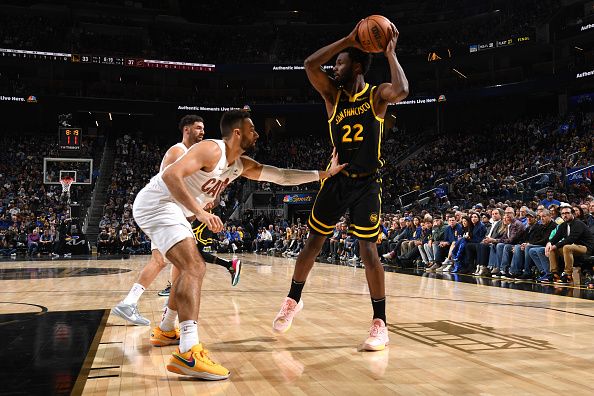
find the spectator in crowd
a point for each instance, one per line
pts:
(33, 242)
(474, 232)
(554, 209)
(417, 231)
(450, 236)
(549, 200)
(573, 238)
(521, 265)
(425, 247)
(522, 215)
(538, 239)
(590, 217)
(514, 232)
(46, 241)
(486, 249)
(406, 234)
(432, 249)
(7, 245)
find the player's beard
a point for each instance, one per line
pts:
(344, 79)
(198, 137)
(247, 145)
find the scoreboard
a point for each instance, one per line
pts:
(144, 63)
(105, 60)
(69, 138)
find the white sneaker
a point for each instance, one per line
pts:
(447, 261)
(388, 255)
(378, 336)
(130, 313)
(447, 268)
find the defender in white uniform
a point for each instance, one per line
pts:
(182, 190)
(192, 128)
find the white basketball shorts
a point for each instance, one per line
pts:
(162, 220)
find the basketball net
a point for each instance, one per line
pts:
(66, 183)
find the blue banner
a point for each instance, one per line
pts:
(579, 177)
(441, 191)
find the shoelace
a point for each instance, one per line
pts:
(375, 329)
(204, 357)
(135, 310)
(286, 308)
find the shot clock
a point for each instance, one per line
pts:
(69, 138)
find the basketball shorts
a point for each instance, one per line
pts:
(202, 234)
(162, 220)
(360, 196)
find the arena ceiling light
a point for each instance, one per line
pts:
(460, 74)
(278, 122)
(578, 48)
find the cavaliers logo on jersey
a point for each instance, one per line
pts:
(214, 187)
(373, 218)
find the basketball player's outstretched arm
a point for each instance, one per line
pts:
(318, 77)
(203, 155)
(397, 89)
(287, 177)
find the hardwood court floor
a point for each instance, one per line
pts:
(446, 337)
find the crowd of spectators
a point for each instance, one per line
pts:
(504, 161)
(135, 162)
(495, 161)
(258, 38)
(510, 240)
(35, 217)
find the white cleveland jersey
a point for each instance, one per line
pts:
(204, 186)
(180, 145)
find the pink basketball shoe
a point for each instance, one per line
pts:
(284, 318)
(378, 336)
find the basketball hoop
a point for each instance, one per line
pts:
(66, 182)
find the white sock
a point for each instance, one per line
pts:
(168, 319)
(188, 335)
(134, 295)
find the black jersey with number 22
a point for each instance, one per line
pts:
(356, 131)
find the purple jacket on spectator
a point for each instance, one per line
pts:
(32, 238)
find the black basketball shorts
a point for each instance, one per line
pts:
(202, 234)
(360, 196)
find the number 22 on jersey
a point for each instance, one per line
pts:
(346, 137)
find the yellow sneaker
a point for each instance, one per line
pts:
(162, 338)
(196, 363)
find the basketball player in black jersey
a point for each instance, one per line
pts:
(356, 122)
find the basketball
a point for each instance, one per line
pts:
(374, 33)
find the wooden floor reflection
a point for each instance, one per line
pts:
(446, 337)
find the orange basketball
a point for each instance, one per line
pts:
(374, 33)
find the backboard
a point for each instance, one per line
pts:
(80, 169)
